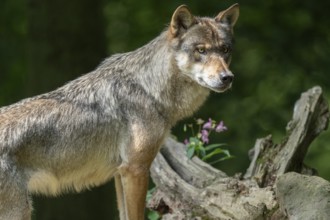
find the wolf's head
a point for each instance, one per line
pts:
(203, 46)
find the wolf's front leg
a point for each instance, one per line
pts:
(134, 183)
(137, 153)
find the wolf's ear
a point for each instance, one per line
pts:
(182, 19)
(228, 16)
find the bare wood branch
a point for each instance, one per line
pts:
(192, 189)
(310, 118)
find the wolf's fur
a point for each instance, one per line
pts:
(112, 121)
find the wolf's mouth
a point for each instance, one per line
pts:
(221, 87)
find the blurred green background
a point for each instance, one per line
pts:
(282, 49)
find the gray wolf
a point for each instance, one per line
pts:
(112, 121)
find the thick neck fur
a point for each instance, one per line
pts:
(154, 69)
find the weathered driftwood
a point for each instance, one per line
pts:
(191, 189)
(303, 197)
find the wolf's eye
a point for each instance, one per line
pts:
(201, 50)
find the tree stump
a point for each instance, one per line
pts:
(189, 189)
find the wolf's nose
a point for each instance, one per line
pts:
(226, 77)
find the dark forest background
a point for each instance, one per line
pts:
(282, 49)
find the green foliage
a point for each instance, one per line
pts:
(13, 32)
(151, 214)
(197, 144)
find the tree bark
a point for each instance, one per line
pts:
(192, 189)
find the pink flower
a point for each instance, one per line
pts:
(208, 125)
(220, 127)
(205, 136)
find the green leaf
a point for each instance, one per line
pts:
(194, 140)
(153, 215)
(190, 152)
(185, 128)
(212, 146)
(216, 152)
(202, 151)
(221, 159)
(149, 193)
